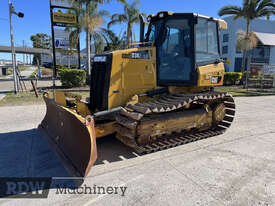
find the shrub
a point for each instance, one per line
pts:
(232, 78)
(72, 77)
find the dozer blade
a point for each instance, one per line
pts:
(71, 136)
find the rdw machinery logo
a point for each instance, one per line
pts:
(24, 187)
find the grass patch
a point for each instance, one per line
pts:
(26, 98)
(243, 92)
(21, 98)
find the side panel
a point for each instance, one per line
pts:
(133, 72)
(211, 75)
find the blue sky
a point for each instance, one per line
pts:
(37, 17)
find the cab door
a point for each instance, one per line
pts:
(175, 53)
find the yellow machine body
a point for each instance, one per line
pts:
(137, 76)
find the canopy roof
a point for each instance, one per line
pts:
(266, 38)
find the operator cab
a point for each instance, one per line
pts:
(183, 41)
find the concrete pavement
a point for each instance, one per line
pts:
(236, 168)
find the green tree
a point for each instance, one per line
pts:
(250, 9)
(113, 41)
(129, 17)
(40, 40)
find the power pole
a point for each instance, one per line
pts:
(20, 15)
(13, 55)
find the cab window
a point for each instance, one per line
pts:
(206, 40)
(175, 52)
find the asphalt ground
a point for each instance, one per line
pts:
(236, 168)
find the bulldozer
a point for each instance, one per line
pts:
(155, 94)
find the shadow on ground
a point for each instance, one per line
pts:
(27, 154)
(109, 149)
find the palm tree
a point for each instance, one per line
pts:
(251, 9)
(113, 41)
(129, 17)
(90, 18)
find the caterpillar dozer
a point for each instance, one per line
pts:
(156, 94)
